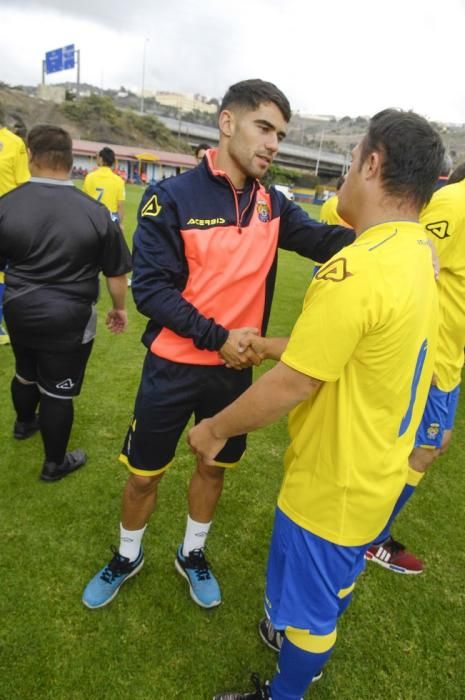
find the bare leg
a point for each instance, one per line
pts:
(205, 490)
(139, 499)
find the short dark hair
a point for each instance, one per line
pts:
(457, 175)
(412, 152)
(51, 147)
(201, 147)
(340, 181)
(107, 155)
(253, 93)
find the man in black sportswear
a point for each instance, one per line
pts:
(56, 241)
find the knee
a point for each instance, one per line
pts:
(142, 485)
(210, 473)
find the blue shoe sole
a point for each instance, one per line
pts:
(116, 591)
(181, 571)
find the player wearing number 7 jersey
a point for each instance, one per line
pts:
(106, 186)
(355, 375)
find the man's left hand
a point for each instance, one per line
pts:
(117, 320)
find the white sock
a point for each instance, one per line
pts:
(196, 535)
(130, 542)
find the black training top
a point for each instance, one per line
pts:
(55, 241)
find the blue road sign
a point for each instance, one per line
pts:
(54, 61)
(60, 59)
(68, 57)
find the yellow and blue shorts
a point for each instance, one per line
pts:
(438, 416)
(169, 394)
(308, 577)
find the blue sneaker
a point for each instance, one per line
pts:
(203, 586)
(105, 585)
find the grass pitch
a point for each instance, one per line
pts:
(401, 639)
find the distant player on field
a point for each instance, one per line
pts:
(106, 186)
(328, 211)
(200, 151)
(355, 376)
(444, 221)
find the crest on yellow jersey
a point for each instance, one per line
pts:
(152, 208)
(335, 271)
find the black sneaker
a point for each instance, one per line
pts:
(72, 461)
(24, 429)
(272, 637)
(262, 692)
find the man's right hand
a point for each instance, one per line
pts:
(231, 354)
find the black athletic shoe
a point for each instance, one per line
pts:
(274, 639)
(261, 692)
(72, 461)
(24, 429)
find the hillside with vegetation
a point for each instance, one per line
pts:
(95, 118)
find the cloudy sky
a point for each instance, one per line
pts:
(329, 56)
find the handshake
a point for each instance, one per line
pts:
(244, 348)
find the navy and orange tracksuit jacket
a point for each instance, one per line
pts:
(205, 259)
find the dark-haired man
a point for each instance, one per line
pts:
(355, 384)
(205, 255)
(56, 241)
(200, 151)
(106, 186)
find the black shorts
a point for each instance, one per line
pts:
(169, 393)
(57, 374)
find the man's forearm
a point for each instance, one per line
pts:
(275, 394)
(118, 289)
(274, 347)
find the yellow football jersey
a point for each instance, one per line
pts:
(105, 186)
(14, 169)
(328, 213)
(444, 219)
(368, 330)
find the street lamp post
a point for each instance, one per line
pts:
(146, 40)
